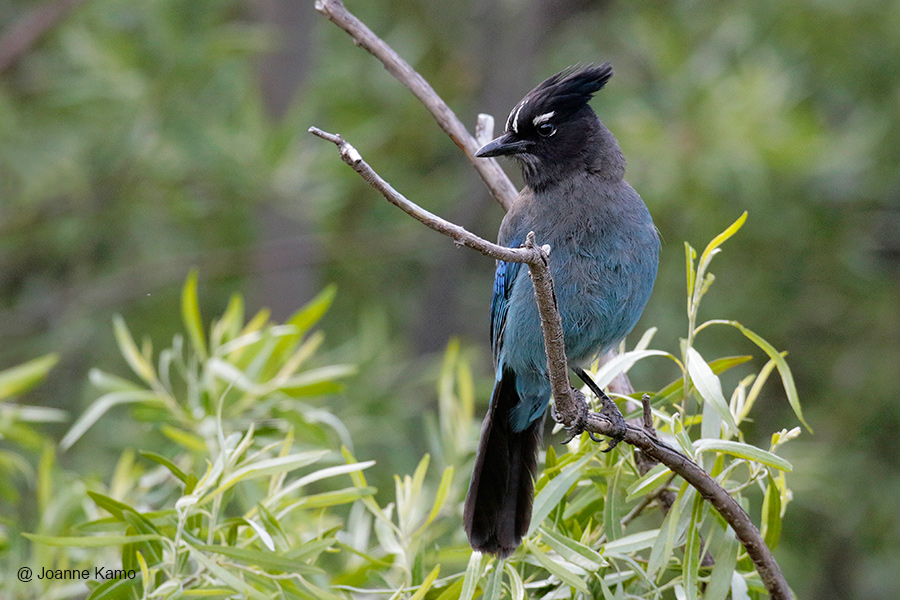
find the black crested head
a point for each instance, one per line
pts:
(553, 131)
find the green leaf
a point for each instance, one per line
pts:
(549, 497)
(787, 378)
(564, 574)
(495, 583)
(335, 498)
(651, 480)
(162, 460)
(631, 543)
(269, 561)
(316, 381)
(100, 407)
(110, 505)
(18, 379)
(236, 583)
(614, 509)
(269, 466)
(573, 551)
(426, 585)
(690, 255)
(691, 565)
(114, 589)
(138, 363)
(725, 562)
(771, 515)
(709, 387)
(473, 574)
(89, 541)
(190, 313)
(185, 439)
(516, 585)
(440, 498)
(314, 310)
(742, 450)
(719, 240)
(622, 362)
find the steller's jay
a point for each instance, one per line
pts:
(603, 259)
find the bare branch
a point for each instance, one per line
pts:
(571, 410)
(18, 39)
(499, 185)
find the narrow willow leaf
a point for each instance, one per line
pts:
(742, 450)
(270, 561)
(114, 589)
(709, 387)
(787, 378)
(552, 493)
(473, 575)
(691, 565)
(269, 466)
(100, 407)
(516, 585)
(21, 378)
(573, 551)
(631, 543)
(495, 582)
(110, 505)
(623, 362)
(690, 255)
(771, 515)
(739, 589)
(185, 439)
(316, 476)
(334, 498)
(130, 352)
(190, 314)
(564, 574)
(225, 575)
(440, 498)
(719, 366)
(426, 585)
(719, 240)
(614, 508)
(654, 478)
(90, 541)
(725, 562)
(162, 460)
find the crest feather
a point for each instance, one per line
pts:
(568, 90)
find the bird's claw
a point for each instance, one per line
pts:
(580, 423)
(614, 416)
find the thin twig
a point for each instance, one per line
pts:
(22, 35)
(569, 409)
(494, 178)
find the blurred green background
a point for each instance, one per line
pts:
(141, 139)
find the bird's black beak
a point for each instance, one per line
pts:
(504, 145)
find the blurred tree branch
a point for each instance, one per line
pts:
(19, 37)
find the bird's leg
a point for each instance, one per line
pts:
(581, 420)
(608, 410)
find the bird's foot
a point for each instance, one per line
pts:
(580, 423)
(611, 412)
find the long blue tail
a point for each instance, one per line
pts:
(498, 506)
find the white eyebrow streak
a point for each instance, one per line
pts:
(513, 121)
(543, 118)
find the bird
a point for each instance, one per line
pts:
(604, 253)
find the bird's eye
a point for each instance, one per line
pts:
(546, 129)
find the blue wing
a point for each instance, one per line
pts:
(504, 278)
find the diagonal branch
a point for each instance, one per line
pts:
(490, 172)
(570, 407)
(19, 38)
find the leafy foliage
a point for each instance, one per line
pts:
(251, 498)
